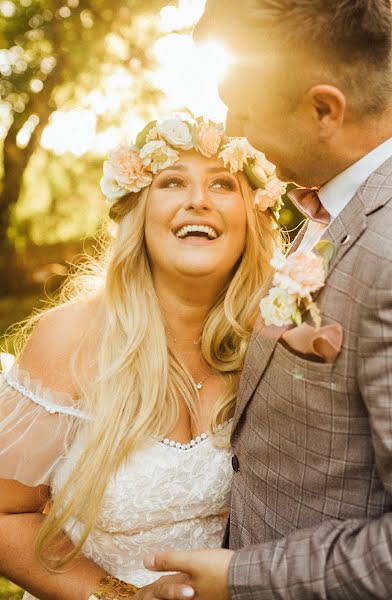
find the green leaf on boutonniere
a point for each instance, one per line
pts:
(142, 136)
(327, 251)
(315, 314)
(297, 317)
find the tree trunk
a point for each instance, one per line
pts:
(15, 163)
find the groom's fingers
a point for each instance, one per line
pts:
(169, 561)
(173, 591)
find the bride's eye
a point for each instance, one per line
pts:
(223, 183)
(172, 182)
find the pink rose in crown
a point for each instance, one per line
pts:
(126, 164)
(123, 172)
(267, 197)
(300, 274)
(207, 138)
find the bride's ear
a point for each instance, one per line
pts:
(328, 106)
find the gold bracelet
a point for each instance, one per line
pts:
(111, 588)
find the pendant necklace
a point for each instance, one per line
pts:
(199, 384)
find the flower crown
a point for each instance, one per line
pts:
(130, 167)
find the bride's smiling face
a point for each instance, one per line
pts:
(195, 219)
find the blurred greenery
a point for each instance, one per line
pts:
(15, 308)
(9, 591)
(53, 56)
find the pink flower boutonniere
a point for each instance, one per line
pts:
(297, 277)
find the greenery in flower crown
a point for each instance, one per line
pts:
(130, 167)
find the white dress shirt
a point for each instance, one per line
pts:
(337, 192)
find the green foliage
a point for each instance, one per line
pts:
(55, 54)
(44, 38)
(9, 591)
(60, 200)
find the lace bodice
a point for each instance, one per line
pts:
(166, 496)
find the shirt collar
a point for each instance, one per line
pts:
(337, 192)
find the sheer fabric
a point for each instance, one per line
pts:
(166, 496)
(35, 426)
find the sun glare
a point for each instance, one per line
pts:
(72, 131)
(187, 74)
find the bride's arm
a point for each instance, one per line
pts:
(31, 440)
(20, 520)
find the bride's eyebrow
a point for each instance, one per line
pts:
(175, 168)
(184, 168)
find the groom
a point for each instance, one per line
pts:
(311, 513)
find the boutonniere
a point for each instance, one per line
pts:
(297, 278)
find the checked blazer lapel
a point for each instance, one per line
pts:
(349, 225)
(259, 353)
(344, 231)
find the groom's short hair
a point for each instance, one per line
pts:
(351, 38)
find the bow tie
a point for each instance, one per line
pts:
(308, 202)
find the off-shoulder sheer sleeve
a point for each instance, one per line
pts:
(36, 426)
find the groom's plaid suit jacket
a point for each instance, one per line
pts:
(312, 493)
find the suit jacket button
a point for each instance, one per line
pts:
(235, 464)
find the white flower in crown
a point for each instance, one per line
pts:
(261, 168)
(272, 192)
(262, 161)
(236, 154)
(175, 132)
(207, 138)
(157, 155)
(299, 274)
(152, 135)
(123, 172)
(279, 308)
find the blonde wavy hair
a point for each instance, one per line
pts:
(138, 369)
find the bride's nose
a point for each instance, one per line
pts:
(198, 199)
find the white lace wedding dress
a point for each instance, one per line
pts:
(167, 496)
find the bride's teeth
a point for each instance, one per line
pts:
(212, 234)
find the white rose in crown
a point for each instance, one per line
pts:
(176, 133)
(157, 155)
(236, 153)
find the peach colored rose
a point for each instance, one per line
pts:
(267, 197)
(299, 274)
(263, 200)
(207, 138)
(123, 172)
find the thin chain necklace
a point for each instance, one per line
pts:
(199, 384)
(176, 339)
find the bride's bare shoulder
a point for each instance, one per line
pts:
(48, 353)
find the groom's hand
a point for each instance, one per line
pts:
(166, 588)
(206, 570)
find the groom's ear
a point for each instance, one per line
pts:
(328, 106)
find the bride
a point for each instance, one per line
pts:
(117, 411)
